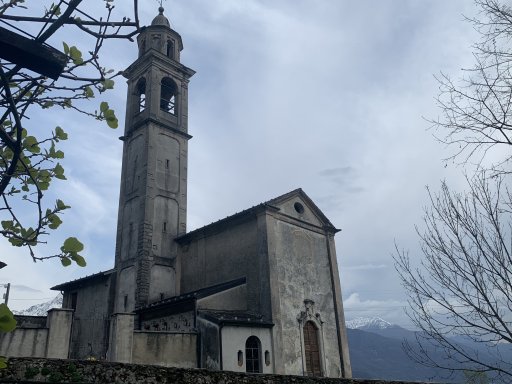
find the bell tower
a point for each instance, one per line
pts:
(153, 196)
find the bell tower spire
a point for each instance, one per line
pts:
(153, 196)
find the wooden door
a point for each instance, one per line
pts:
(312, 350)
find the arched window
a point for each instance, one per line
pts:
(170, 49)
(253, 355)
(312, 350)
(168, 93)
(141, 93)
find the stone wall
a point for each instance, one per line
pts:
(48, 370)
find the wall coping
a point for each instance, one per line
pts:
(55, 370)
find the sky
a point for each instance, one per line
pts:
(332, 96)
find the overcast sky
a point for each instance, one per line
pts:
(326, 95)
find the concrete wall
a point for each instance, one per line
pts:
(121, 337)
(23, 321)
(224, 256)
(91, 319)
(209, 352)
(165, 348)
(101, 372)
(24, 342)
(234, 299)
(51, 341)
(59, 324)
(233, 341)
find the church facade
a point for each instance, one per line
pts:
(256, 292)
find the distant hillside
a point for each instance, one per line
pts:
(41, 309)
(377, 357)
(376, 352)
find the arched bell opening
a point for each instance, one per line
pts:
(141, 94)
(168, 95)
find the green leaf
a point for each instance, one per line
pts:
(112, 123)
(108, 84)
(89, 92)
(66, 48)
(79, 260)
(59, 172)
(66, 262)
(76, 55)
(60, 205)
(48, 104)
(55, 221)
(72, 245)
(60, 134)
(3, 362)
(7, 321)
(103, 106)
(59, 154)
(7, 224)
(31, 144)
(16, 242)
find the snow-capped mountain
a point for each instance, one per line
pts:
(368, 323)
(41, 309)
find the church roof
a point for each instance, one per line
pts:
(82, 281)
(241, 216)
(199, 294)
(235, 318)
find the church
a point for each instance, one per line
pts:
(255, 292)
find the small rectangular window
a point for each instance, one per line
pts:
(167, 164)
(125, 302)
(164, 227)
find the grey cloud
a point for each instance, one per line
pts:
(24, 288)
(340, 171)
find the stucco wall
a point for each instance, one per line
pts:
(233, 340)
(24, 342)
(52, 340)
(210, 344)
(234, 299)
(101, 372)
(91, 319)
(223, 256)
(300, 270)
(165, 348)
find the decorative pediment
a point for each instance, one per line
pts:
(298, 205)
(309, 314)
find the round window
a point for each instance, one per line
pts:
(298, 207)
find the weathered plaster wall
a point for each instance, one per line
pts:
(52, 340)
(224, 256)
(178, 322)
(165, 348)
(100, 372)
(91, 319)
(210, 345)
(300, 270)
(234, 299)
(233, 340)
(30, 321)
(58, 322)
(24, 342)
(121, 337)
